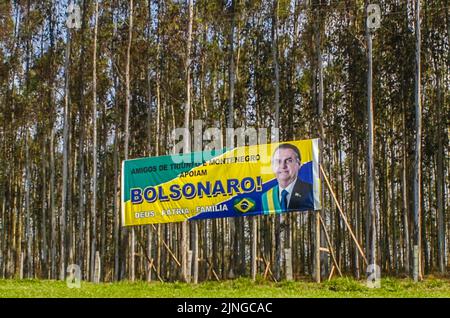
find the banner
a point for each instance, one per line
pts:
(251, 180)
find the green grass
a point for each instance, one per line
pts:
(243, 287)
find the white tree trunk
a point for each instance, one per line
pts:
(127, 132)
(186, 148)
(94, 147)
(371, 213)
(52, 205)
(28, 237)
(318, 236)
(62, 272)
(418, 152)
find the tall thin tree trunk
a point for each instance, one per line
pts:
(355, 198)
(28, 231)
(149, 135)
(127, 130)
(29, 236)
(158, 130)
(45, 206)
(187, 143)
(116, 199)
(394, 211)
(94, 147)
(116, 207)
(318, 237)
(371, 213)
(418, 150)
(278, 217)
(52, 204)
(187, 117)
(64, 205)
(405, 196)
(440, 179)
(230, 124)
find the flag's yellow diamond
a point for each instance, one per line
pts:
(244, 205)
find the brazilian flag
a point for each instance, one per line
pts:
(244, 205)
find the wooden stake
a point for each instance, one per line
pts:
(167, 247)
(330, 250)
(343, 216)
(331, 272)
(156, 271)
(152, 265)
(212, 270)
(268, 270)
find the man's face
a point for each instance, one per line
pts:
(285, 165)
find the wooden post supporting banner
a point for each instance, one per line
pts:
(330, 250)
(150, 261)
(211, 269)
(167, 247)
(156, 271)
(268, 271)
(344, 218)
(331, 272)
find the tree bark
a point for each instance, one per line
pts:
(230, 124)
(66, 115)
(440, 179)
(94, 148)
(278, 218)
(29, 237)
(127, 133)
(418, 150)
(371, 213)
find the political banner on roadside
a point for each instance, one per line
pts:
(249, 180)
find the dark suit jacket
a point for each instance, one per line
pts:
(302, 196)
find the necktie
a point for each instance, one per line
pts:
(284, 195)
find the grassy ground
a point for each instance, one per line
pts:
(340, 287)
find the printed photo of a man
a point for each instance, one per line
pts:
(290, 193)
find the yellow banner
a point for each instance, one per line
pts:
(251, 180)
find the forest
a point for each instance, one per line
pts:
(82, 90)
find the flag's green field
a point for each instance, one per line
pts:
(341, 287)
